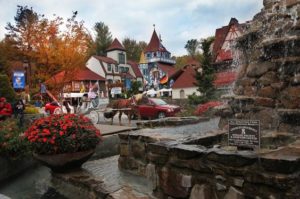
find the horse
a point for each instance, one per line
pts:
(127, 106)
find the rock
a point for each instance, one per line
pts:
(220, 187)
(290, 97)
(268, 78)
(258, 69)
(250, 90)
(221, 178)
(152, 175)
(127, 193)
(124, 150)
(186, 181)
(262, 101)
(138, 149)
(267, 92)
(238, 182)
(201, 191)
(233, 193)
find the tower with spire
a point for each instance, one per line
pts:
(156, 62)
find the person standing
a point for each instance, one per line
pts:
(19, 111)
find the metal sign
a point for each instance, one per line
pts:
(244, 133)
(19, 80)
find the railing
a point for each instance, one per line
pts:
(160, 59)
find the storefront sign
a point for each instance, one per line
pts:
(19, 80)
(244, 133)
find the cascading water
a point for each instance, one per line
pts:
(268, 86)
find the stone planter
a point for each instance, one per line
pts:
(64, 162)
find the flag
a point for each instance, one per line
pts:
(164, 79)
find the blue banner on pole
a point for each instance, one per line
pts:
(19, 80)
(127, 84)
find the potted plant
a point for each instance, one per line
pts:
(63, 142)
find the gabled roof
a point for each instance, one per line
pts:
(105, 59)
(220, 36)
(80, 75)
(135, 68)
(168, 69)
(225, 78)
(185, 77)
(115, 45)
(155, 44)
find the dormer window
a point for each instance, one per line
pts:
(121, 58)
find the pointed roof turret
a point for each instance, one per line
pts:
(155, 44)
(116, 45)
(142, 58)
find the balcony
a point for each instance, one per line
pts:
(160, 59)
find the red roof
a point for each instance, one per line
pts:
(105, 59)
(155, 44)
(224, 78)
(220, 36)
(135, 68)
(116, 45)
(186, 79)
(80, 75)
(169, 70)
(224, 55)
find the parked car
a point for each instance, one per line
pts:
(55, 108)
(157, 108)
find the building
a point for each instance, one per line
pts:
(223, 54)
(117, 71)
(184, 81)
(156, 63)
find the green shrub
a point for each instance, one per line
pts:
(6, 90)
(11, 143)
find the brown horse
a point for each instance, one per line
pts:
(127, 106)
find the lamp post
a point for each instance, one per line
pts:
(25, 66)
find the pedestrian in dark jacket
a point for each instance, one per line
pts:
(19, 111)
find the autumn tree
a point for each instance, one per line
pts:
(133, 48)
(53, 45)
(103, 38)
(22, 33)
(192, 46)
(7, 53)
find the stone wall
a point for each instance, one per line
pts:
(186, 169)
(268, 84)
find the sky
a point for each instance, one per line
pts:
(176, 21)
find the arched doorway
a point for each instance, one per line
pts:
(182, 95)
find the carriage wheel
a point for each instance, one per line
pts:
(93, 116)
(161, 115)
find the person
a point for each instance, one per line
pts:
(5, 109)
(19, 108)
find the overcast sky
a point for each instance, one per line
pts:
(176, 20)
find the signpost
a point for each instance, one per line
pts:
(244, 133)
(18, 80)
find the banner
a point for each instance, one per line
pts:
(19, 80)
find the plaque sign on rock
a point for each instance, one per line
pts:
(244, 133)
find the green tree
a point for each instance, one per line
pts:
(133, 48)
(6, 89)
(205, 75)
(103, 38)
(135, 85)
(192, 46)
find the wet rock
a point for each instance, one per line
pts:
(267, 92)
(157, 158)
(233, 193)
(267, 102)
(221, 178)
(238, 182)
(258, 69)
(201, 191)
(220, 187)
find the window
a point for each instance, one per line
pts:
(116, 68)
(124, 69)
(121, 58)
(108, 67)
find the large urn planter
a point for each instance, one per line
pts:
(64, 162)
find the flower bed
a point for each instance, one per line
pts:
(58, 134)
